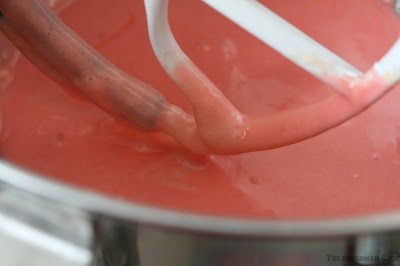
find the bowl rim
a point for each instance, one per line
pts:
(97, 203)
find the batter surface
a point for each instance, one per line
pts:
(353, 169)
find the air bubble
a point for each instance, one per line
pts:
(376, 156)
(356, 175)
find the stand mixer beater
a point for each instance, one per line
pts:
(217, 126)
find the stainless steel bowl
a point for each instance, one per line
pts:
(44, 222)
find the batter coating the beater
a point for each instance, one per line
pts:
(217, 126)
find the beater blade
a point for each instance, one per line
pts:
(223, 128)
(295, 45)
(285, 38)
(217, 126)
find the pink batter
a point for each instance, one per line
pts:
(349, 170)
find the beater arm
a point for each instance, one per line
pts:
(224, 129)
(62, 55)
(218, 127)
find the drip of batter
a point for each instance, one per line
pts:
(217, 127)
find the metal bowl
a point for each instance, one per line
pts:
(50, 222)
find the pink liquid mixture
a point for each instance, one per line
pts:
(353, 169)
